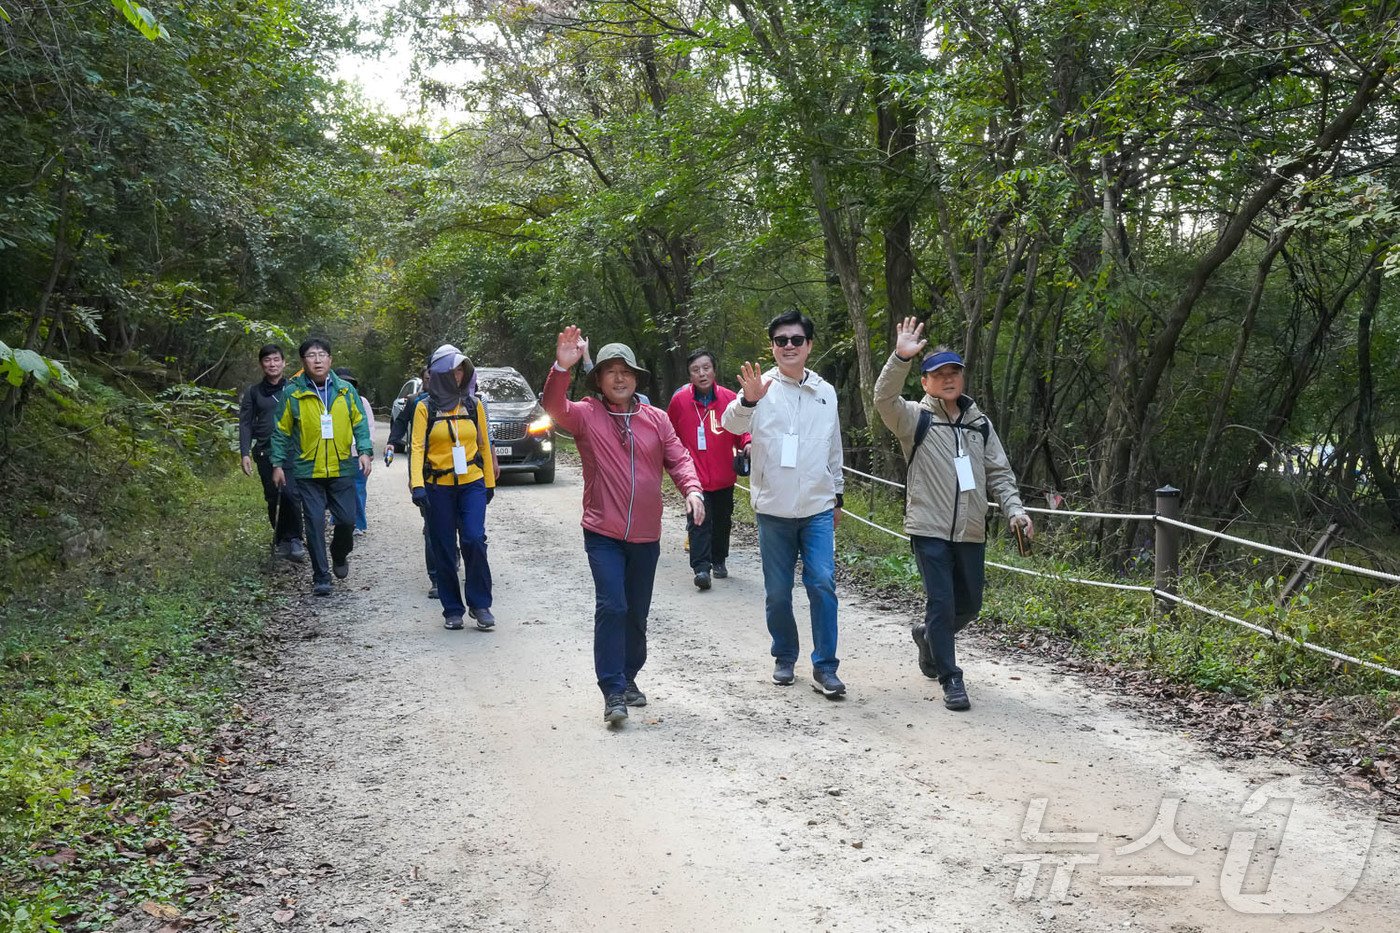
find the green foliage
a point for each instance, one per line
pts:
(104, 680)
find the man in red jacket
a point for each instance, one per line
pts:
(695, 411)
(624, 446)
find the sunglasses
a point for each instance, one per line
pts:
(783, 340)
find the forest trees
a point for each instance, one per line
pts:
(1160, 232)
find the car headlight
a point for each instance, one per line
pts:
(541, 425)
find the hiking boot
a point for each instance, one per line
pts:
(954, 695)
(719, 571)
(827, 683)
(432, 591)
(702, 580)
(782, 673)
(296, 551)
(452, 623)
(925, 655)
(321, 589)
(614, 708)
(632, 696)
(282, 549)
(485, 621)
(341, 570)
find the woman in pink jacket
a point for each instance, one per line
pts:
(624, 445)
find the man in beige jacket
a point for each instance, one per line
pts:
(955, 458)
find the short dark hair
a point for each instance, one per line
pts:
(696, 354)
(792, 316)
(311, 343)
(270, 349)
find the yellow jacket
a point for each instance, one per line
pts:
(430, 447)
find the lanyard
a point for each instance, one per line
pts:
(795, 414)
(324, 399)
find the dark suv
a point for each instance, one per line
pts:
(522, 435)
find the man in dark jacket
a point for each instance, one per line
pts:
(256, 412)
(399, 431)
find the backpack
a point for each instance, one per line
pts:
(921, 431)
(478, 413)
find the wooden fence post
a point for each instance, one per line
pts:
(1166, 541)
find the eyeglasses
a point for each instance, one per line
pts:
(317, 355)
(783, 340)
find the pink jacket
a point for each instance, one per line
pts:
(621, 468)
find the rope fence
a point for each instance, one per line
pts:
(1167, 594)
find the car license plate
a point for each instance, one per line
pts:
(500, 451)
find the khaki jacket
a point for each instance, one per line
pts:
(935, 508)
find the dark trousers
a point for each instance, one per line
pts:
(339, 495)
(457, 518)
(709, 541)
(428, 546)
(285, 515)
(953, 575)
(623, 574)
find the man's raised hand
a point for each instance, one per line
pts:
(907, 338)
(570, 347)
(752, 382)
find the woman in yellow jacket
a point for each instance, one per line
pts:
(452, 473)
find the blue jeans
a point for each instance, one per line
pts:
(623, 574)
(361, 492)
(953, 575)
(457, 517)
(780, 541)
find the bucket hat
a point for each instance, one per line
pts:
(617, 351)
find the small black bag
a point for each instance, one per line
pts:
(741, 464)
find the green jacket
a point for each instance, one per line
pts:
(297, 444)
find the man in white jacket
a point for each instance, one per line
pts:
(795, 488)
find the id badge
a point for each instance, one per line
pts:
(700, 437)
(327, 427)
(966, 481)
(459, 460)
(789, 458)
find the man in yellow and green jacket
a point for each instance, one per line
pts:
(320, 416)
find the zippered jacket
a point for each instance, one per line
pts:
(297, 444)
(934, 507)
(623, 457)
(715, 464)
(257, 410)
(809, 408)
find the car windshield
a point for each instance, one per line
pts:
(503, 387)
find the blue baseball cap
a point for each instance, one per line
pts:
(936, 360)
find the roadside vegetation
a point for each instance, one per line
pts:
(132, 585)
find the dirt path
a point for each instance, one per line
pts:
(440, 781)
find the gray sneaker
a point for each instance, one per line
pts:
(826, 682)
(296, 551)
(432, 591)
(782, 673)
(955, 695)
(341, 570)
(452, 623)
(614, 709)
(633, 696)
(719, 571)
(321, 589)
(485, 621)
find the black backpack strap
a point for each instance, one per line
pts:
(433, 417)
(920, 432)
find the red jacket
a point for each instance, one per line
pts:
(714, 464)
(621, 468)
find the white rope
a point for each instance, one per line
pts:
(1297, 555)
(1336, 655)
(1163, 594)
(878, 479)
(1131, 587)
